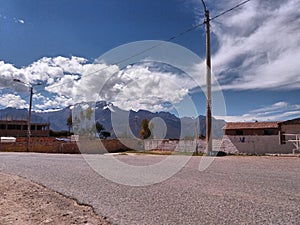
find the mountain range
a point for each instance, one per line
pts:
(115, 121)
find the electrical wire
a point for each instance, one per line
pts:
(132, 56)
(157, 45)
(229, 10)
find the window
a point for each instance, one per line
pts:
(239, 132)
(268, 132)
(11, 127)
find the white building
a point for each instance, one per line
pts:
(262, 137)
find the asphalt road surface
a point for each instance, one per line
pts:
(232, 190)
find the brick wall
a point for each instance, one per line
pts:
(51, 145)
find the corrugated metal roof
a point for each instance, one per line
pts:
(250, 125)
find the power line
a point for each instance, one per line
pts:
(134, 55)
(229, 10)
(156, 45)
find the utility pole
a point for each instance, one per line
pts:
(29, 119)
(29, 111)
(208, 84)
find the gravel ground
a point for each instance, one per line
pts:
(233, 190)
(24, 202)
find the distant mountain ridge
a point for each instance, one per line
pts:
(175, 127)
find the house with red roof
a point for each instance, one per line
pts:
(281, 137)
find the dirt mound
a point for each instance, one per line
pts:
(24, 202)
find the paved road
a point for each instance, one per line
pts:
(233, 190)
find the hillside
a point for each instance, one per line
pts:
(162, 121)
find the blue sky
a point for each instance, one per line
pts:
(255, 54)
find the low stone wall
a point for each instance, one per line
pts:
(198, 145)
(229, 144)
(51, 145)
(100, 146)
(37, 144)
(261, 144)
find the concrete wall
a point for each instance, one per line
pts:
(255, 144)
(180, 145)
(172, 145)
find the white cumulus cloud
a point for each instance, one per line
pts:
(278, 111)
(66, 81)
(137, 87)
(11, 100)
(258, 44)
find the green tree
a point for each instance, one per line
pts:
(151, 127)
(70, 122)
(105, 134)
(145, 131)
(89, 112)
(99, 128)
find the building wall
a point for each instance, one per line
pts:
(252, 131)
(290, 132)
(290, 128)
(261, 144)
(23, 133)
(19, 129)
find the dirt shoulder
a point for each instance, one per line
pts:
(24, 202)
